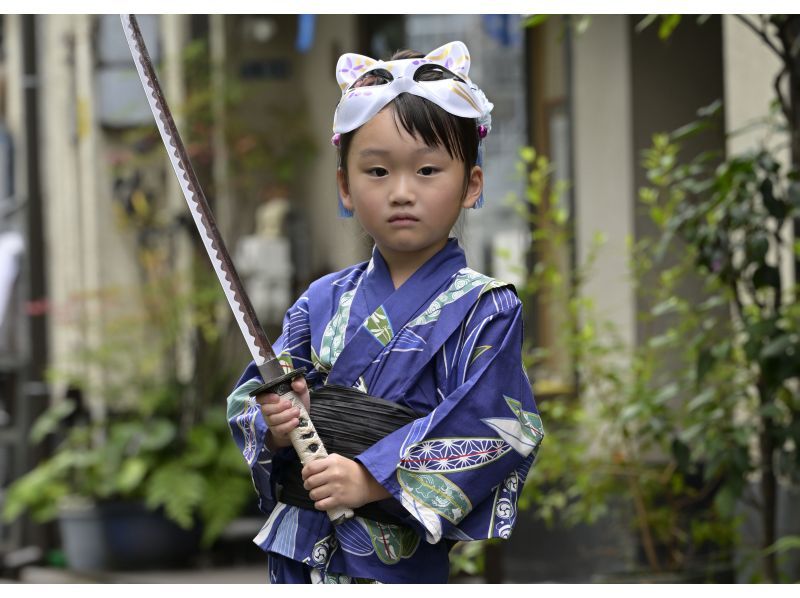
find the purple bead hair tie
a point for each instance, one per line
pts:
(483, 131)
(337, 137)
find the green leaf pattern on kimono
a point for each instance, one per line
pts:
(531, 422)
(437, 493)
(317, 362)
(333, 337)
(379, 325)
(391, 542)
(478, 352)
(466, 280)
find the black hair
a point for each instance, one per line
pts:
(422, 118)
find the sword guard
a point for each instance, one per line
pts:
(280, 385)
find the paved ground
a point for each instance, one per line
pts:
(230, 575)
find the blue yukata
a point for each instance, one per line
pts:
(446, 344)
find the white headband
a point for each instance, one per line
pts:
(458, 97)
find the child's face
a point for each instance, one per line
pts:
(406, 195)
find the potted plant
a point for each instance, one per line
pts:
(159, 449)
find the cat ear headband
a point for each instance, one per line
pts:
(454, 93)
(452, 90)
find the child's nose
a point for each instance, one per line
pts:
(403, 191)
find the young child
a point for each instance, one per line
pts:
(441, 444)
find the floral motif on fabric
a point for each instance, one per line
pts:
(452, 454)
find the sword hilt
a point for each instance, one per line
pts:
(304, 437)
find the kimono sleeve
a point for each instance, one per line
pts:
(247, 425)
(458, 470)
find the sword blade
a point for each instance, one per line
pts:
(257, 342)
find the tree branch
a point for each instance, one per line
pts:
(785, 105)
(763, 35)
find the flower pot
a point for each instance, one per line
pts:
(123, 536)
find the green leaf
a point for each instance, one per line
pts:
(705, 361)
(665, 393)
(179, 491)
(713, 109)
(668, 25)
(779, 346)
(535, 20)
(682, 454)
(582, 24)
(158, 434)
(690, 130)
(784, 544)
(527, 154)
(131, 475)
(48, 422)
(704, 398)
(667, 306)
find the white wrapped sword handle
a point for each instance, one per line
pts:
(304, 437)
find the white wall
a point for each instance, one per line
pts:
(604, 160)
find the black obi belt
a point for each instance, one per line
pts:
(348, 423)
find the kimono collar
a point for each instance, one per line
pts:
(378, 285)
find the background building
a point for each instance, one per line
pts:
(255, 95)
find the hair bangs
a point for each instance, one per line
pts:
(431, 123)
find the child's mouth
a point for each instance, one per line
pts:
(403, 220)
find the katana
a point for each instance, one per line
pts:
(305, 439)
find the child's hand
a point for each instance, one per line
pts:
(336, 481)
(280, 416)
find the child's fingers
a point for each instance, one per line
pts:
(314, 467)
(282, 417)
(283, 429)
(316, 480)
(274, 408)
(327, 503)
(267, 398)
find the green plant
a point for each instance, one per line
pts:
(156, 439)
(618, 441)
(728, 218)
(153, 426)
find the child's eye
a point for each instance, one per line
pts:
(427, 170)
(378, 171)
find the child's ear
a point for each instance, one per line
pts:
(344, 189)
(474, 187)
